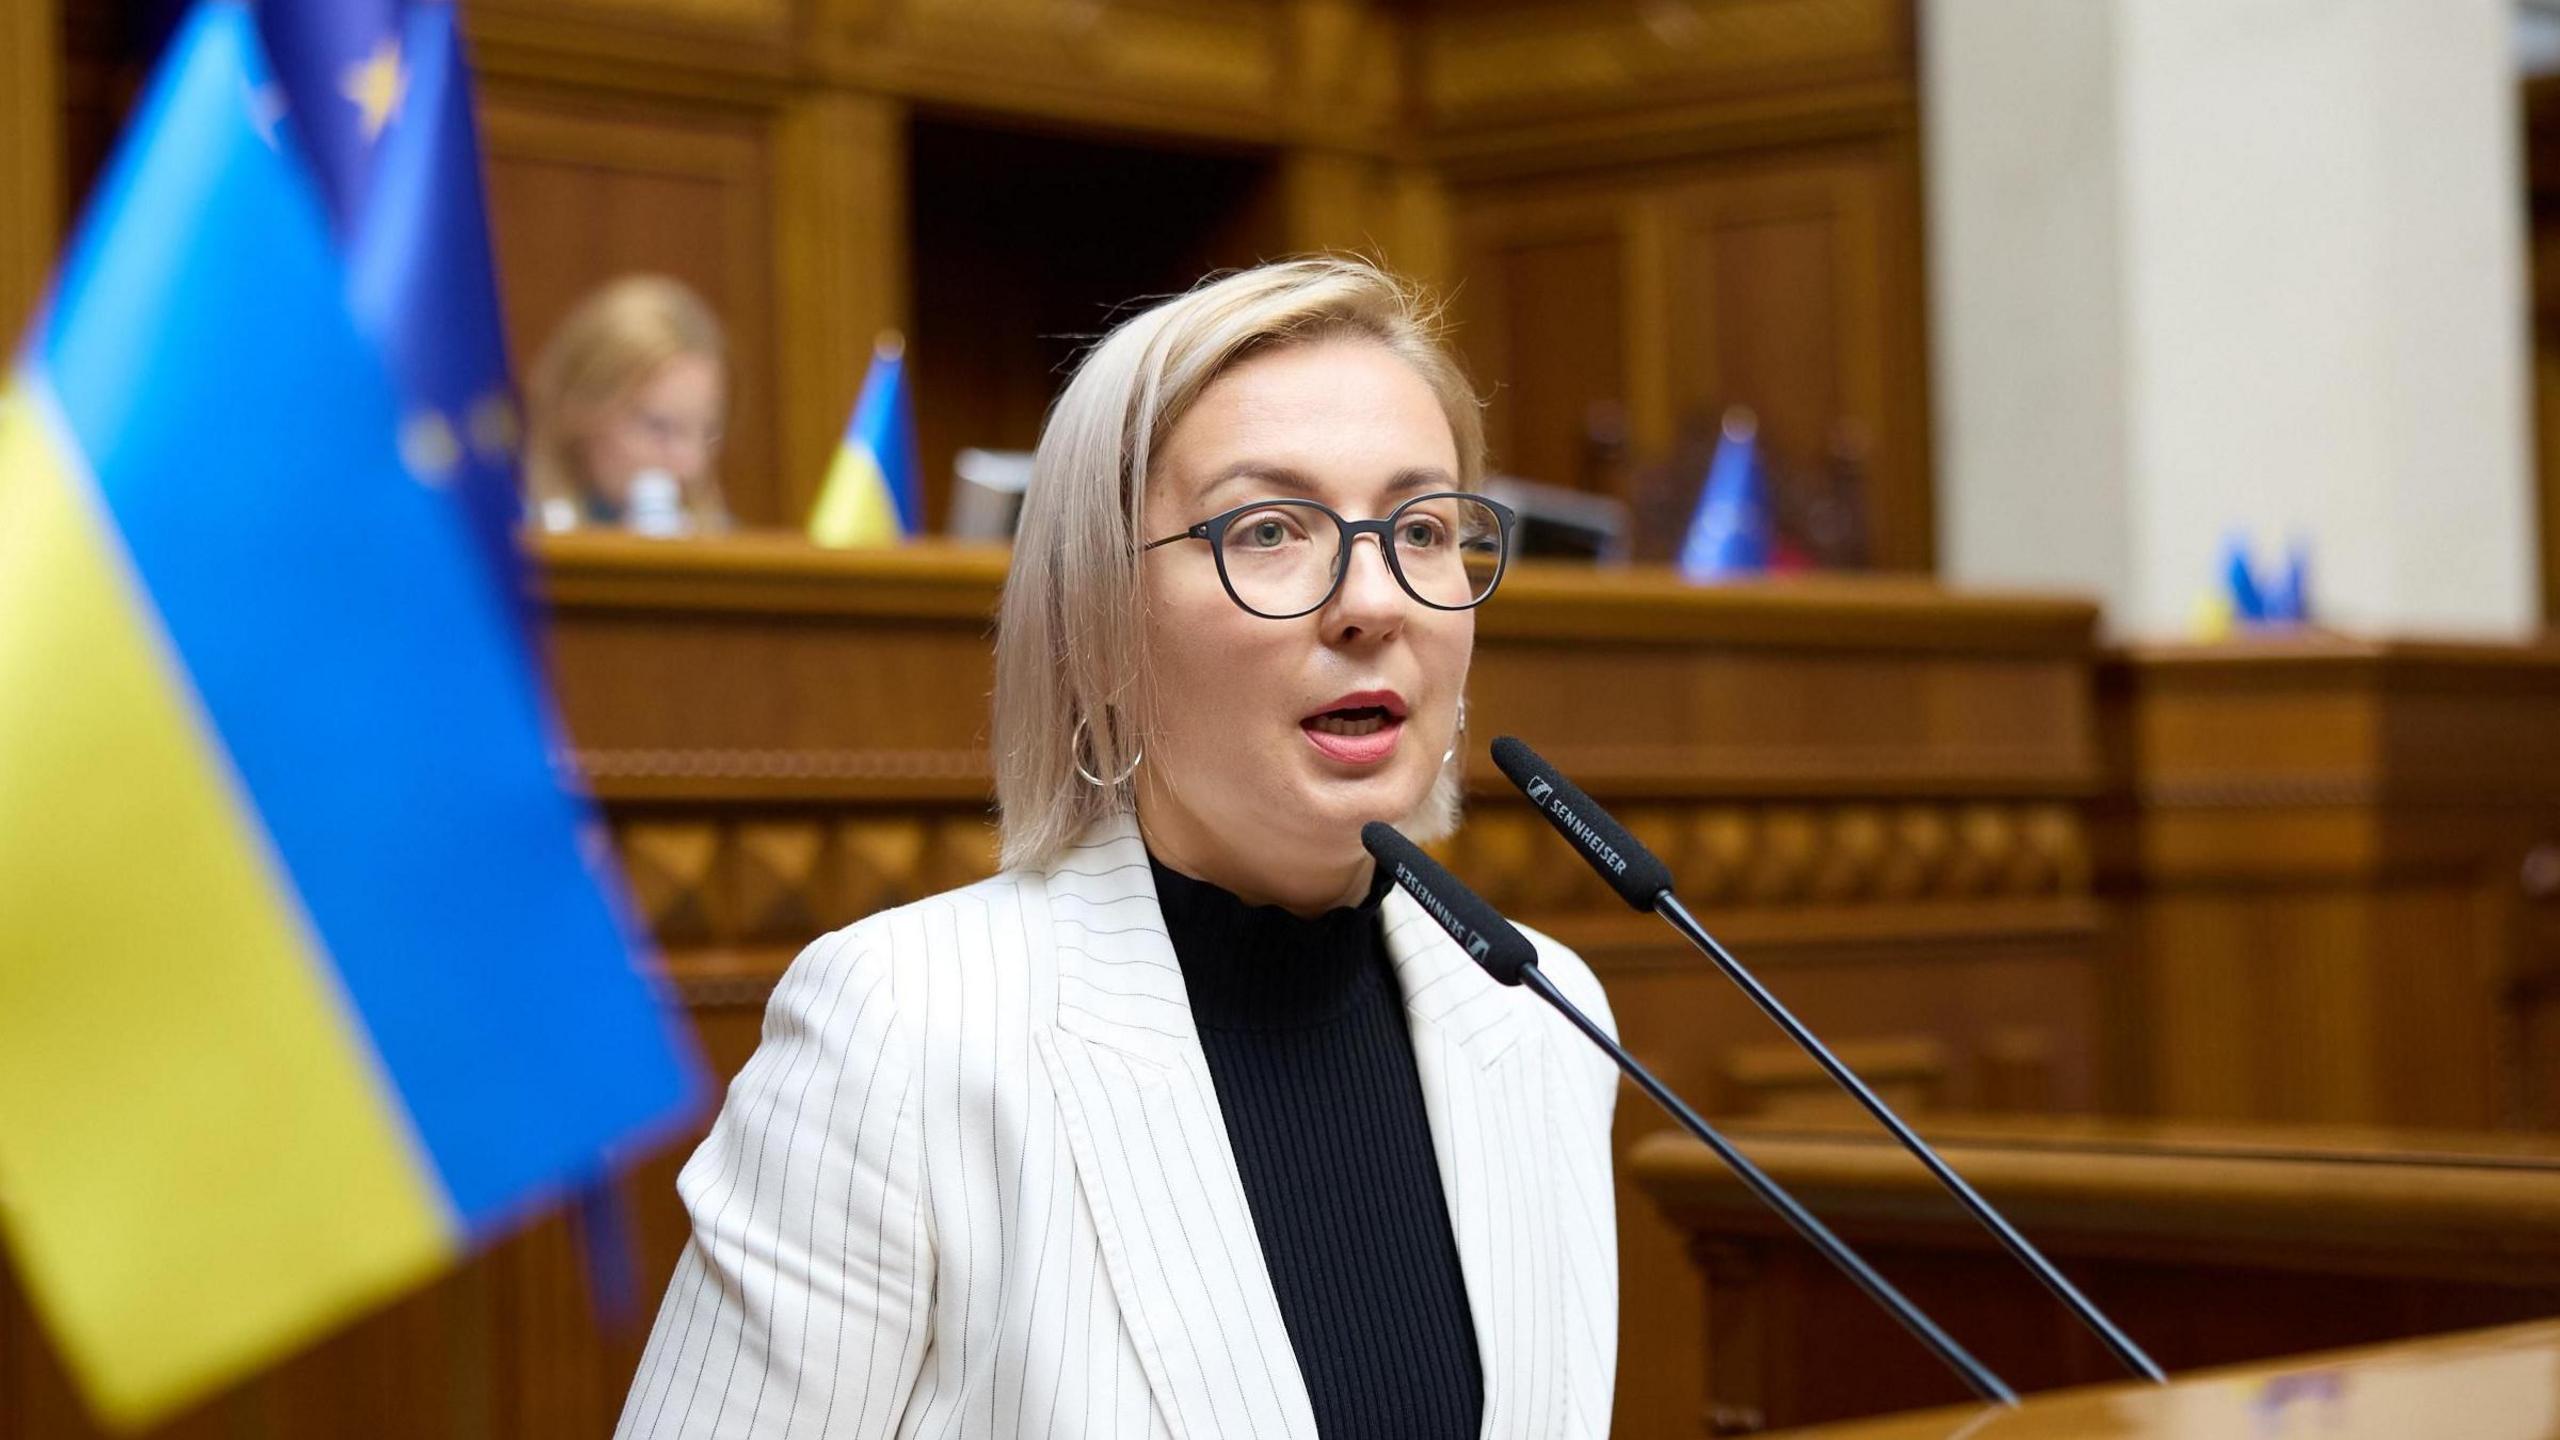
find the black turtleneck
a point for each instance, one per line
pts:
(1305, 1032)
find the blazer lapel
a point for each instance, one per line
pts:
(1151, 1153)
(1487, 1124)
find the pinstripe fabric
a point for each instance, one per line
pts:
(974, 1183)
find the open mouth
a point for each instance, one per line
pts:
(1361, 731)
(1352, 720)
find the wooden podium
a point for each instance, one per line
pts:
(2481, 1385)
(2208, 1245)
(1880, 786)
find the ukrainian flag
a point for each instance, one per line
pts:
(311, 973)
(871, 495)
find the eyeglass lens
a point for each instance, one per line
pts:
(1282, 558)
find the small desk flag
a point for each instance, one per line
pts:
(1729, 535)
(871, 496)
(313, 973)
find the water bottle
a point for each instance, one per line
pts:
(657, 505)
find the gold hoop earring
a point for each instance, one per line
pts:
(1458, 736)
(1075, 755)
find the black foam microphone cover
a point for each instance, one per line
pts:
(1625, 863)
(1479, 930)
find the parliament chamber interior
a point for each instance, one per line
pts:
(2224, 957)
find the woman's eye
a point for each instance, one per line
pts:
(1421, 534)
(1268, 532)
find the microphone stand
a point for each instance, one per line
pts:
(1668, 906)
(1985, 1385)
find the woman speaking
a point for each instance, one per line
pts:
(1187, 1123)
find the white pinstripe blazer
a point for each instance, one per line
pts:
(974, 1183)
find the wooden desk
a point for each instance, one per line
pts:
(2208, 1245)
(2340, 864)
(1874, 788)
(2500, 1384)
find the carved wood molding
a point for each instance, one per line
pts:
(1193, 66)
(1833, 855)
(784, 881)
(745, 775)
(1345, 73)
(1558, 58)
(1334, 73)
(781, 764)
(628, 773)
(739, 51)
(702, 877)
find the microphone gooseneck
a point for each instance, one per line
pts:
(1508, 956)
(1644, 882)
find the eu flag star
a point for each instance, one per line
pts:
(428, 446)
(267, 106)
(376, 85)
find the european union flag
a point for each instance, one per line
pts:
(1730, 533)
(2248, 599)
(311, 976)
(378, 92)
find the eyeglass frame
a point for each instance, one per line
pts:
(1214, 530)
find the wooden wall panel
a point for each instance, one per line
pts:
(2335, 863)
(763, 149)
(31, 158)
(583, 188)
(1545, 331)
(1774, 290)
(842, 222)
(1656, 297)
(1759, 163)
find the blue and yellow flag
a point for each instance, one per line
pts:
(312, 974)
(871, 496)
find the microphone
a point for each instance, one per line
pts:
(1644, 882)
(1508, 956)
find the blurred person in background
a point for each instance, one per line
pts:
(627, 404)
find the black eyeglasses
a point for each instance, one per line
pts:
(1281, 559)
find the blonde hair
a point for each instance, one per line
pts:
(1071, 657)
(615, 339)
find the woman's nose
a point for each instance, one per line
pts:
(1370, 601)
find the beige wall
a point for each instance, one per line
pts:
(2206, 264)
